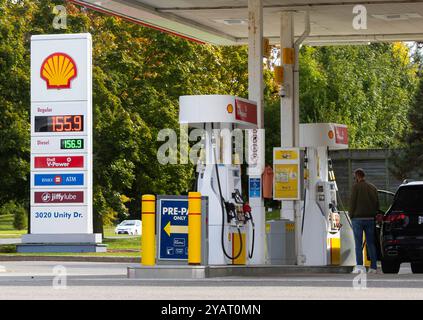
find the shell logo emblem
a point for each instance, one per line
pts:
(58, 70)
(230, 108)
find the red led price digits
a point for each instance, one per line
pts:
(66, 123)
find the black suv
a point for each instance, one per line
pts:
(401, 232)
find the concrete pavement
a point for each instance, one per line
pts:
(10, 241)
(83, 280)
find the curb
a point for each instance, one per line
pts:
(206, 272)
(70, 258)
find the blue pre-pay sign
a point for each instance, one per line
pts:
(173, 232)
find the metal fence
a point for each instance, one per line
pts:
(375, 163)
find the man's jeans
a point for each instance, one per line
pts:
(368, 226)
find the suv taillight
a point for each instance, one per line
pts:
(395, 217)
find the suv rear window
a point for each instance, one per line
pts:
(409, 199)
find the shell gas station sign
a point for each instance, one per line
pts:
(61, 134)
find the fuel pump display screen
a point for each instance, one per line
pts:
(68, 123)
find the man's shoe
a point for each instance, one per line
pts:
(373, 271)
(359, 269)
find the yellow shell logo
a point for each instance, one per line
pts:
(230, 108)
(58, 70)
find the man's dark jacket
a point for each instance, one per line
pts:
(364, 202)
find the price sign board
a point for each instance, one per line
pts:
(61, 134)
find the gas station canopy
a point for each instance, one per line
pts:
(225, 22)
(288, 23)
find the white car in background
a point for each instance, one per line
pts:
(131, 227)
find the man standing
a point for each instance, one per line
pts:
(364, 206)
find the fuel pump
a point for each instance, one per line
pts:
(321, 220)
(230, 221)
(328, 205)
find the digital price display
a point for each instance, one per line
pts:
(71, 123)
(72, 143)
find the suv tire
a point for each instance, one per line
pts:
(417, 267)
(390, 266)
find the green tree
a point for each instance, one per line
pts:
(408, 161)
(14, 101)
(369, 88)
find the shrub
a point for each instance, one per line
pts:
(9, 208)
(8, 248)
(20, 221)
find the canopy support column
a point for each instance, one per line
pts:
(288, 125)
(290, 121)
(256, 137)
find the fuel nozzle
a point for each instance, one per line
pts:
(230, 212)
(237, 197)
(246, 208)
(247, 212)
(331, 171)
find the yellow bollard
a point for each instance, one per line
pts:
(366, 262)
(148, 237)
(194, 228)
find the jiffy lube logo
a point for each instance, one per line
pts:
(58, 70)
(59, 197)
(46, 197)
